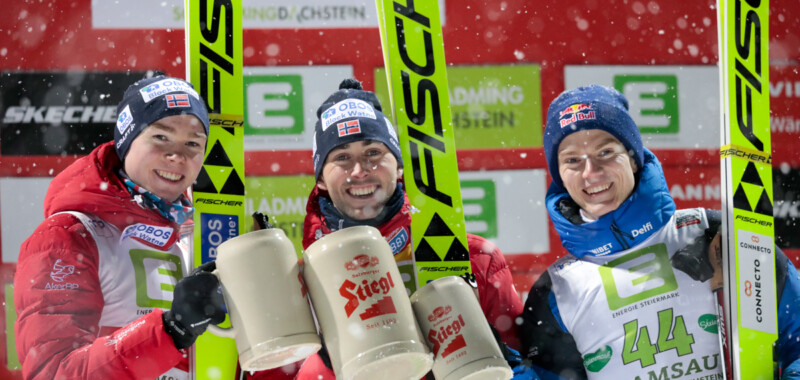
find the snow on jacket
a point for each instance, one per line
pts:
(78, 312)
(498, 298)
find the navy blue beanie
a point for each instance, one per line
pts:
(150, 100)
(350, 115)
(589, 107)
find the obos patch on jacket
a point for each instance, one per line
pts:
(156, 235)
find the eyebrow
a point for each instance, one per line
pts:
(345, 146)
(167, 128)
(603, 142)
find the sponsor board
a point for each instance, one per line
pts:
(283, 199)
(280, 104)
(22, 201)
(59, 112)
(496, 208)
(673, 106)
(784, 90)
(256, 14)
(787, 207)
(694, 186)
(493, 106)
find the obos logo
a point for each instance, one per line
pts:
(216, 229)
(124, 120)
(156, 235)
(166, 86)
(348, 108)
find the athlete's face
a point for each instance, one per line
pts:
(597, 171)
(360, 178)
(167, 156)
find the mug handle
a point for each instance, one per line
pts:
(221, 331)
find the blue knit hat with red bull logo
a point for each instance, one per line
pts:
(351, 115)
(150, 100)
(589, 107)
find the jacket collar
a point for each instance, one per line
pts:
(647, 210)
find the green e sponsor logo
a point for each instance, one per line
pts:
(273, 104)
(480, 207)
(156, 274)
(637, 276)
(653, 101)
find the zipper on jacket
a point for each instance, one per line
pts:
(619, 234)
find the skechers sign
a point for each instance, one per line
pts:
(69, 112)
(675, 107)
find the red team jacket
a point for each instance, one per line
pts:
(57, 290)
(498, 298)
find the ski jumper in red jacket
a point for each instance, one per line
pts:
(64, 286)
(498, 299)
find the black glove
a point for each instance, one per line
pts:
(197, 301)
(693, 258)
(261, 221)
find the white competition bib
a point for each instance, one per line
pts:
(634, 316)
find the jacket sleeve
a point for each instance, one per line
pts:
(59, 301)
(544, 339)
(314, 369)
(499, 299)
(788, 282)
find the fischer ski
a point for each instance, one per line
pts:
(214, 67)
(413, 48)
(748, 238)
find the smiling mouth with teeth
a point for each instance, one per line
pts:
(597, 189)
(362, 191)
(169, 176)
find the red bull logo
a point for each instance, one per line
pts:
(575, 108)
(576, 117)
(355, 294)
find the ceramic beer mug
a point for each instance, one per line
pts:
(270, 316)
(362, 307)
(457, 332)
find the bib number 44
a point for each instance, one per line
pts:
(672, 335)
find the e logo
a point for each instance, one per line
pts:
(156, 274)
